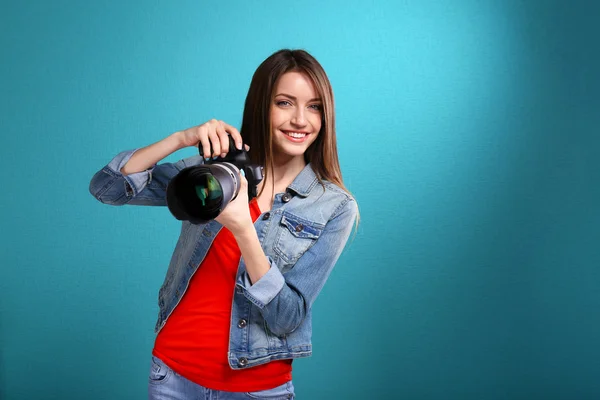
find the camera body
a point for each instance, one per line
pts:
(241, 160)
(200, 193)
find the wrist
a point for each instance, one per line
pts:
(244, 232)
(177, 138)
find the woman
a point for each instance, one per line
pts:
(235, 306)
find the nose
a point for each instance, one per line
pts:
(298, 118)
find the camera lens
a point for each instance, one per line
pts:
(200, 193)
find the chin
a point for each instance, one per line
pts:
(293, 154)
(290, 151)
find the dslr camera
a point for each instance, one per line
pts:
(200, 193)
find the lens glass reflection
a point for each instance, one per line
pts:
(208, 190)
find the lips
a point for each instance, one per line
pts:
(295, 136)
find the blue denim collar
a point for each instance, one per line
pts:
(305, 181)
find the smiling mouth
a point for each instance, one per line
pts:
(295, 135)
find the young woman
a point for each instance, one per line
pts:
(235, 305)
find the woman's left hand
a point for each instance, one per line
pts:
(236, 216)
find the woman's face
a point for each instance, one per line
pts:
(296, 115)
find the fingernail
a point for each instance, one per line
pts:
(238, 145)
(215, 157)
(206, 158)
(242, 173)
(223, 155)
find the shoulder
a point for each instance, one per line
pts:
(344, 202)
(320, 200)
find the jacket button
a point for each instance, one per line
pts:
(286, 197)
(242, 323)
(299, 227)
(243, 361)
(266, 216)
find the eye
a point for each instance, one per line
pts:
(283, 103)
(317, 107)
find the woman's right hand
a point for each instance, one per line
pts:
(213, 133)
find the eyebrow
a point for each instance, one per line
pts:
(294, 98)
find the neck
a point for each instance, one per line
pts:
(285, 171)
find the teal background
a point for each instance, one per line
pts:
(468, 132)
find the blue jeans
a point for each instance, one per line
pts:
(164, 383)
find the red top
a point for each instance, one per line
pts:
(195, 340)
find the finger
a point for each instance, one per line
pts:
(203, 136)
(224, 138)
(235, 134)
(247, 147)
(215, 141)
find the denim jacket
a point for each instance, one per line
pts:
(302, 236)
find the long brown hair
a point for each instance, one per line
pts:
(256, 125)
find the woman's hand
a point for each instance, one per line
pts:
(236, 216)
(213, 133)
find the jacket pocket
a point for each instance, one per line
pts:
(296, 235)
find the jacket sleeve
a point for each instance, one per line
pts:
(284, 300)
(147, 188)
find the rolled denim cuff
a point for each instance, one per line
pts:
(136, 182)
(265, 289)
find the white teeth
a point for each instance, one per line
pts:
(295, 134)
